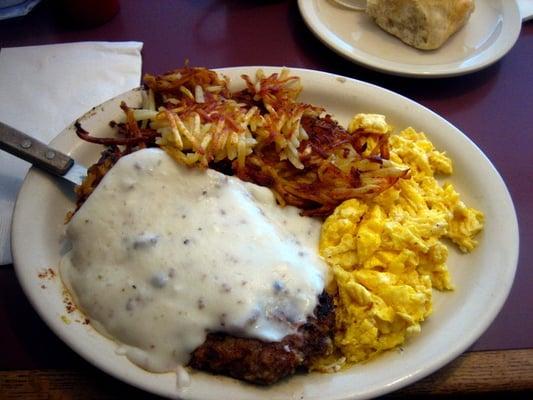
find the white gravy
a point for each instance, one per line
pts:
(162, 255)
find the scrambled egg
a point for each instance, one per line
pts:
(387, 254)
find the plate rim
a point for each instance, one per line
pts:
(305, 74)
(322, 32)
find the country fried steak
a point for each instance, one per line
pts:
(251, 360)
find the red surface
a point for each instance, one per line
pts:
(493, 107)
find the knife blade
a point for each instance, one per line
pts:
(40, 155)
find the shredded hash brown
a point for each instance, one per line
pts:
(261, 134)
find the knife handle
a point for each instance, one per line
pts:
(32, 150)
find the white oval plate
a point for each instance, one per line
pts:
(490, 33)
(483, 278)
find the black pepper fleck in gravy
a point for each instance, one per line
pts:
(201, 304)
(278, 286)
(145, 242)
(225, 288)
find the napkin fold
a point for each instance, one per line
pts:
(43, 89)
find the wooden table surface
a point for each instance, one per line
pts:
(494, 107)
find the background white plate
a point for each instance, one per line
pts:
(490, 33)
(483, 279)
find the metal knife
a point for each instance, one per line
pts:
(40, 155)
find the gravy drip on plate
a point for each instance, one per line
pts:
(163, 254)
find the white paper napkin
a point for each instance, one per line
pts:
(45, 88)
